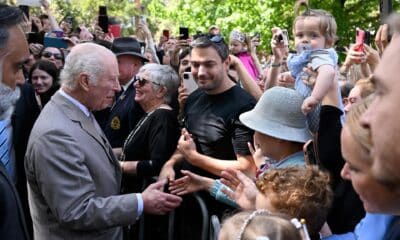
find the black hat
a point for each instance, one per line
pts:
(127, 46)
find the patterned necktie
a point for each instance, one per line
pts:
(5, 146)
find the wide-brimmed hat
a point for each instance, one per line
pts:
(127, 46)
(278, 114)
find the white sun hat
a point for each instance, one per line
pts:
(278, 114)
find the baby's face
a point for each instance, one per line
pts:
(307, 32)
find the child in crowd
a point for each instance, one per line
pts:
(298, 192)
(240, 46)
(315, 35)
(259, 225)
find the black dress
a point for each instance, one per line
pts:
(152, 142)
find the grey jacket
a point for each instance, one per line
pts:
(74, 178)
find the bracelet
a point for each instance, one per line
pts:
(275, 65)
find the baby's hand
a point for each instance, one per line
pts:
(309, 104)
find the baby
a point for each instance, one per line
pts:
(315, 35)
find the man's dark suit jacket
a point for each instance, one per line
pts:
(121, 118)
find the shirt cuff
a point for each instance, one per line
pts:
(140, 204)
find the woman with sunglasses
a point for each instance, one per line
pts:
(54, 55)
(153, 140)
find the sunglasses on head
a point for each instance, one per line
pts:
(142, 81)
(57, 56)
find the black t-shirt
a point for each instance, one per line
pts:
(213, 121)
(152, 145)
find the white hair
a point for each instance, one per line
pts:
(84, 58)
(166, 76)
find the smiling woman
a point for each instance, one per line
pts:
(44, 78)
(153, 140)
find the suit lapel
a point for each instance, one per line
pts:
(86, 123)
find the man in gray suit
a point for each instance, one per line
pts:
(73, 177)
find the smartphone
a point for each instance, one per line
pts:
(189, 83)
(36, 37)
(55, 42)
(115, 30)
(58, 34)
(143, 19)
(183, 33)
(165, 33)
(310, 153)
(283, 38)
(103, 23)
(25, 10)
(360, 37)
(367, 37)
(103, 10)
(69, 20)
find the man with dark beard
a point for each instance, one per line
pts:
(13, 53)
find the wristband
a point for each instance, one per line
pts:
(275, 65)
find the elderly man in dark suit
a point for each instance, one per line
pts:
(73, 177)
(118, 120)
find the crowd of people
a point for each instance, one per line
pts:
(103, 139)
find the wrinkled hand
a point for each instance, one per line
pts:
(186, 146)
(244, 189)
(309, 104)
(156, 201)
(182, 96)
(285, 80)
(189, 183)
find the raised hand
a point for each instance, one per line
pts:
(244, 189)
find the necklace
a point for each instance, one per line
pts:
(137, 127)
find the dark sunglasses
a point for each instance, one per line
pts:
(141, 81)
(57, 56)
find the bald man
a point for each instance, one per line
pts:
(73, 177)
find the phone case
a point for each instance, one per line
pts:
(189, 83)
(360, 35)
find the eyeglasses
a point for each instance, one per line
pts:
(57, 56)
(141, 81)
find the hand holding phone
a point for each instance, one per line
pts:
(183, 33)
(310, 154)
(360, 36)
(282, 36)
(166, 34)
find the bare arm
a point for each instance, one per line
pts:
(52, 19)
(187, 147)
(167, 171)
(248, 83)
(324, 81)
